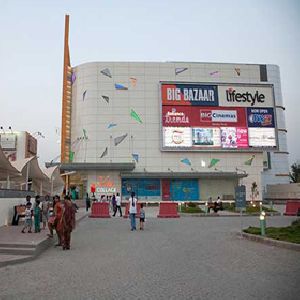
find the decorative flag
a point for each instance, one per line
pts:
(135, 116)
(106, 98)
(71, 156)
(214, 74)
(83, 95)
(73, 77)
(248, 162)
(213, 162)
(120, 139)
(106, 72)
(180, 70)
(203, 163)
(135, 157)
(186, 161)
(121, 87)
(133, 81)
(111, 125)
(104, 153)
(238, 71)
(84, 134)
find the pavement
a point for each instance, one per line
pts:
(185, 258)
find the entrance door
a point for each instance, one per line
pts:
(184, 189)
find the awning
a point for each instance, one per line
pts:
(56, 183)
(182, 175)
(6, 168)
(125, 166)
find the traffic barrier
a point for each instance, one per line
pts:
(292, 208)
(168, 210)
(126, 213)
(100, 210)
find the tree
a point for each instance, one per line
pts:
(295, 173)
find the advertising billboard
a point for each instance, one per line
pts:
(8, 141)
(217, 116)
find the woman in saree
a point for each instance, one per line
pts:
(58, 222)
(68, 222)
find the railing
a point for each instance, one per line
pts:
(10, 193)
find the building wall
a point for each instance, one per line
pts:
(90, 112)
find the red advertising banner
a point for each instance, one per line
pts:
(232, 137)
(198, 116)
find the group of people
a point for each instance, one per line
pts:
(59, 216)
(133, 211)
(216, 205)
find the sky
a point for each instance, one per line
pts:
(32, 35)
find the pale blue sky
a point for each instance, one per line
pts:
(31, 48)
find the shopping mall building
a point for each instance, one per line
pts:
(182, 131)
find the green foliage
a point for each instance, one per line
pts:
(295, 174)
(289, 234)
(249, 209)
(191, 204)
(191, 210)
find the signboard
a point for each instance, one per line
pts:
(206, 137)
(177, 116)
(189, 94)
(245, 96)
(240, 197)
(262, 137)
(8, 141)
(260, 117)
(177, 136)
(232, 137)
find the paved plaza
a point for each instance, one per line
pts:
(186, 258)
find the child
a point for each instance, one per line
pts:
(142, 217)
(37, 216)
(51, 218)
(28, 218)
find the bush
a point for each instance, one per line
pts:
(191, 204)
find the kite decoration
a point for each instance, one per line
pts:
(111, 125)
(121, 87)
(135, 157)
(104, 153)
(238, 71)
(203, 163)
(248, 162)
(186, 161)
(214, 74)
(213, 162)
(106, 72)
(71, 156)
(180, 70)
(84, 134)
(83, 95)
(135, 116)
(73, 77)
(120, 139)
(133, 81)
(106, 98)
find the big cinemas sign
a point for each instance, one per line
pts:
(189, 94)
(245, 96)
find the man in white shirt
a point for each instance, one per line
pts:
(132, 210)
(118, 205)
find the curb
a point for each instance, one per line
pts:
(40, 248)
(269, 241)
(227, 215)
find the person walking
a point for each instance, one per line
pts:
(142, 217)
(114, 204)
(118, 205)
(28, 218)
(37, 215)
(45, 210)
(68, 222)
(87, 202)
(58, 212)
(132, 210)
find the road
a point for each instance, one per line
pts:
(186, 258)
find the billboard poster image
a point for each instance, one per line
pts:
(262, 137)
(177, 137)
(232, 137)
(260, 117)
(206, 137)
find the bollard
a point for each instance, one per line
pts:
(262, 221)
(206, 208)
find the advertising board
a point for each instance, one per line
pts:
(8, 141)
(260, 117)
(177, 136)
(262, 137)
(206, 137)
(232, 137)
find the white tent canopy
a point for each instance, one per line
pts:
(56, 182)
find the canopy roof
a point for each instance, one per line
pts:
(6, 167)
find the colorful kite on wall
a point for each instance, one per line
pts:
(120, 139)
(248, 162)
(106, 72)
(106, 98)
(203, 164)
(135, 156)
(135, 116)
(186, 161)
(133, 81)
(180, 70)
(238, 71)
(71, 156)
(73, 77)
(213, 162)
(85, 137)
(83, 95)
(104, 153)
(111, 125)
(214, 74)
(120, 87)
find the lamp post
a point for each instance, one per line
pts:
(262, 221)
